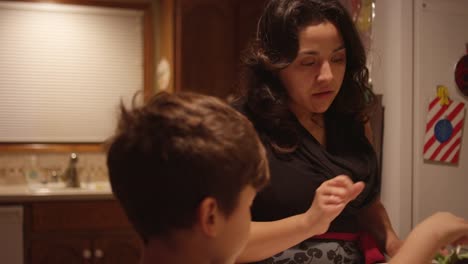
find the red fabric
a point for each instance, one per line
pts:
(367, 244)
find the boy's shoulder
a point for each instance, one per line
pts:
(240, 105)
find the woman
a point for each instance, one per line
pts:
(305, 88)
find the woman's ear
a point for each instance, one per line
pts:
(209, 217)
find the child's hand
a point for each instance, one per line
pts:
(330, 199)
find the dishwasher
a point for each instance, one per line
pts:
(11, 234)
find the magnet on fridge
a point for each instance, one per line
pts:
(442, 141)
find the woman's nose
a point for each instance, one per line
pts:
(325, 73)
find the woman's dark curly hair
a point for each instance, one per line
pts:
(276, 46)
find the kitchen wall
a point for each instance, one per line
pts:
(91, 167)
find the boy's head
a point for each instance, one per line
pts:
(186, 161)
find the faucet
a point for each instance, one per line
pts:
(70, 176)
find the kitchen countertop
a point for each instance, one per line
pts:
(22, 193)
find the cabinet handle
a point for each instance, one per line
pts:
(86, 254)
(98, 253)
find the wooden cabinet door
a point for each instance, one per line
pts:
(205, 46)
(247, 15)
(93, 215)
(209, 38)
(117, 249)
(72, 232)
(70, 250)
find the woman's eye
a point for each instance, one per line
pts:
(308, 62)
(338, 59)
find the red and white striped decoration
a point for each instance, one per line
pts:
(449, 150)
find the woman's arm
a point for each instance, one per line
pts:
(269, 238)
(375, 218)
(429, 236)
(376, 221)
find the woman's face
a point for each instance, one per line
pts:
(315, 76)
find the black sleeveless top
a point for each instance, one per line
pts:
(295, 176)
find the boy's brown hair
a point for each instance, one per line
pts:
(176, 150)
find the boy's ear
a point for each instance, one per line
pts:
(209, 217)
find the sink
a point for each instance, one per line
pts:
(101, 187)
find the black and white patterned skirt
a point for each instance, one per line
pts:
(319, 252)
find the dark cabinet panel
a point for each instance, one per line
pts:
(210, 35)
(81, 232)
(70, 250)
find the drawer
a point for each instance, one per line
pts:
(78, 215)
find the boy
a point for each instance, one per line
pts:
(185, 168)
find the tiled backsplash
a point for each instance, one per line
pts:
(90, 166)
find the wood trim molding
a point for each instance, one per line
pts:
(166, 37)
(148, 52)
(51, 148)
(148, 78)
(103, 3)
(178, 46)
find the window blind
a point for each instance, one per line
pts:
(64, 70)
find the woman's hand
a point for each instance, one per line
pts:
(330, 200)
(430, 235)
(446, 228)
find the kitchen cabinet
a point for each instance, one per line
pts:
(11, 234)
(117, 249)
(82, 232)
(210, 36)
(101, 249)
(61, 250)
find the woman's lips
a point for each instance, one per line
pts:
(323, 94)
